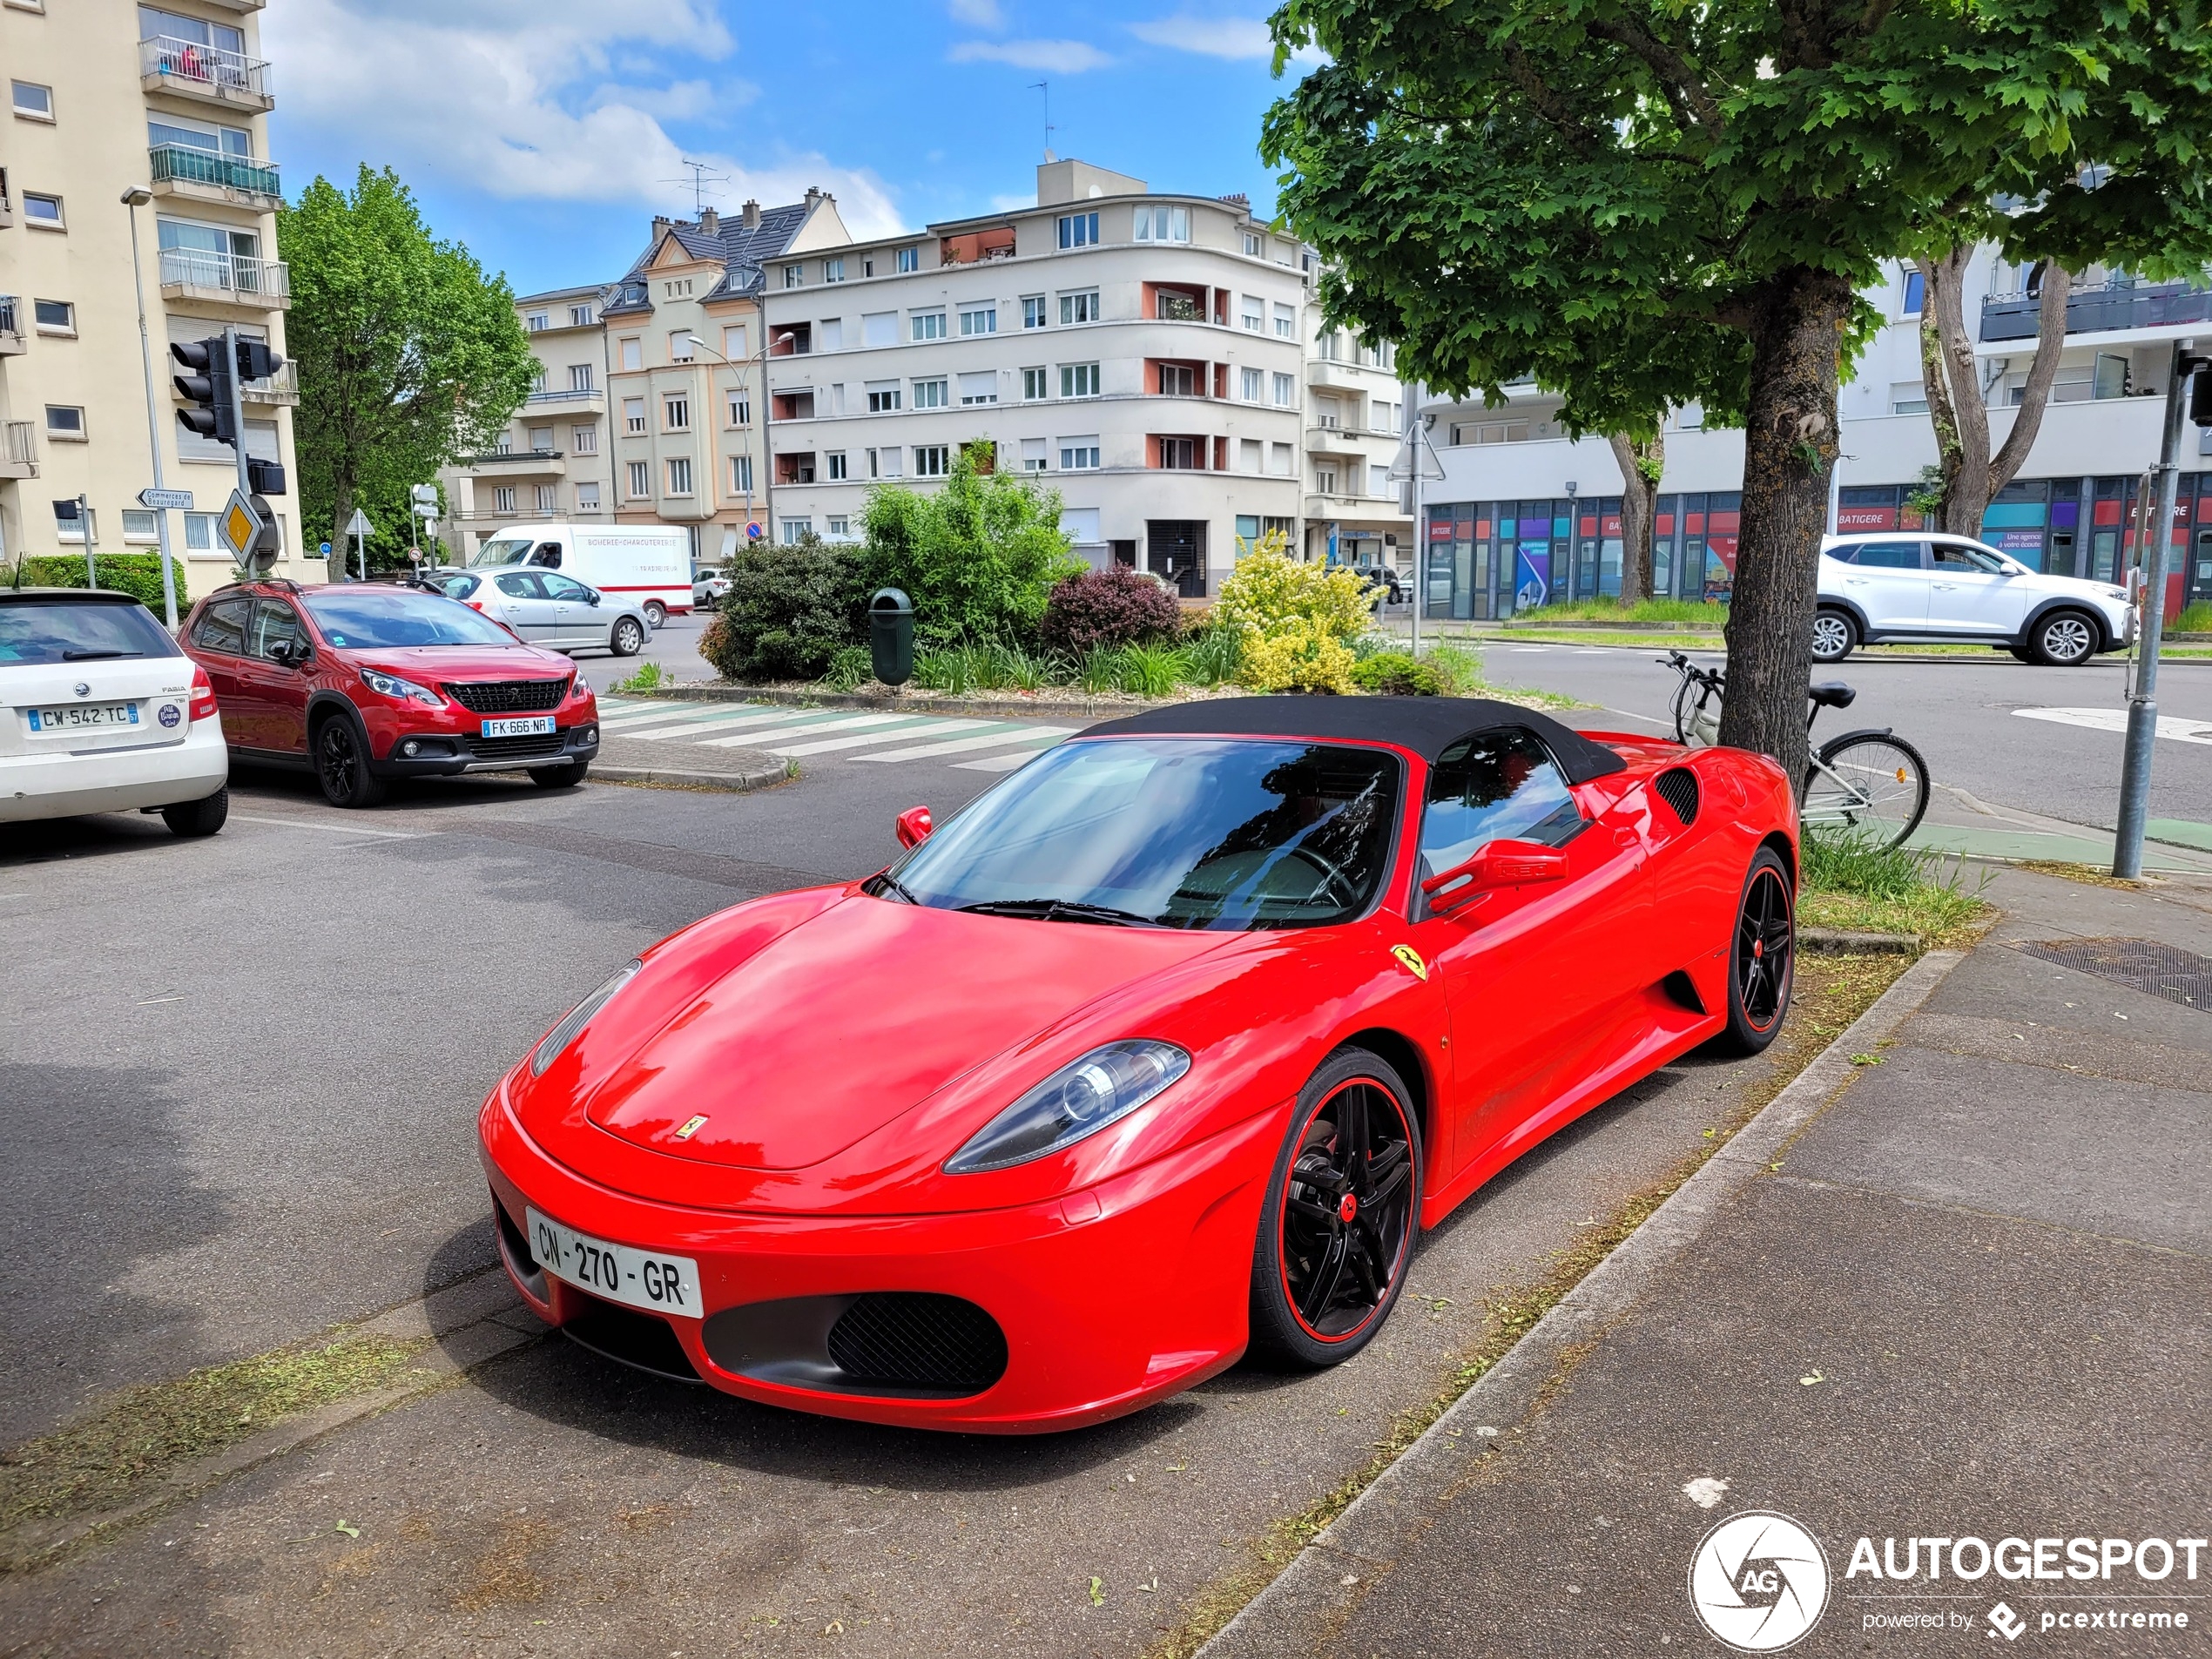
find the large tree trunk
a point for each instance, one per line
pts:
(2035, 396)
(1788, 450)
(1640, 463)
(342, 508)
(1968, 478)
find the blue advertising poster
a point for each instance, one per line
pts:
(1532, 576)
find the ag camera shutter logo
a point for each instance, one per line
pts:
(1758, 1581)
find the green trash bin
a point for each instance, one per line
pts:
(891, 636)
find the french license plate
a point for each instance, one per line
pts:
(637, 1278)
(77, 717)
(534, 725)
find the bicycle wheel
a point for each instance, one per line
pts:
(1873, 784)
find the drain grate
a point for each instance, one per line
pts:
(2140, 964)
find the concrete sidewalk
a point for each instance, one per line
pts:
(1969, 1301)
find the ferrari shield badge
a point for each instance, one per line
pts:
(696, 1123)
(1411, 961)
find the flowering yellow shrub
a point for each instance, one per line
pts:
(1294, 620)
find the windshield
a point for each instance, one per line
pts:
(1202, 833)
(505, 549)
(369, 621)
(47, 631)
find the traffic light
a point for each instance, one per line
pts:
(2200, 395)
(264, 477)
(208, 388)
(256, 361)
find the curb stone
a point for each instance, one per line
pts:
(1325, 1581)
(729, 782)
(1830, 942)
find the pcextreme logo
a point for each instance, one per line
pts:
(1758, 1581)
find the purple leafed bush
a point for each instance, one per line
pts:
(1104, 609)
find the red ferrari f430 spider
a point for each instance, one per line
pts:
(1162, 1052)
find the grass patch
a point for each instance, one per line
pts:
(1854, 885)
(100, 1462)
(1642, 610)
(649, 676)
(2195, 618)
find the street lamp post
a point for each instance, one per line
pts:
(1417, 461)
(760, 314)
(133, 199)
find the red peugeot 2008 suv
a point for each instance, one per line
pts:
(365, 683)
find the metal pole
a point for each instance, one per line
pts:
(84, 529)
(2142, 701)
(154, 429)
(238, 409)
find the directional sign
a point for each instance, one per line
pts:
(358, 524)
(179, 500)
(240, 525)
(424, 495)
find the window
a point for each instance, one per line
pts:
(45, 212)
(1324, 480)
(932, 460)
(1890, 555)
(538, 381)
(928, 325)
(633, 413)
(833, 269)
(884, 464)
(1078, 230)
(980, 320)
(1079, 455)
(1494, 786)
(1178, 380)
(1255, 247)
(633, 354)
(677, 289)
(1157, 224)
(1278, 460)
(883, 396)
(908, 258)
(34, 102)
(1378, 479)
(535, 321)
(1468, 432)
(503, 501)
(199, 537)
(579, 377)
(138, 526)
(740, 409)
(980, 386)
(1381, 417)
(1248, 457)
(1034, 385)
(583, 440)
(1286, 391)
(54, 316)
(675, 413)
(1179, 454)
(1254, 314)
(542, 439)
(1328, 414)
(837, 529)
(641, 480)
(1286, 322)
(587, 497)
(1079, 379)
(835, 462)
(1251, 384)
(546, 506)
(1033, 454)
(797, 530)
(65, 422)
(580, 317)
(733, 339)
(679, 476)
(794, 275)
(1079, 308)
(1915, 294)
(830, 333)
(930, 394)
(680, 345)
(1033, 311)
(1908, 397)
(741, 474)
(504, 444)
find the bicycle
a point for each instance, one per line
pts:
(1870, 779)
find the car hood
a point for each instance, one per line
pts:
(428, 664)
(833, 1027)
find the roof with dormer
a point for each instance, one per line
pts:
(741, 249)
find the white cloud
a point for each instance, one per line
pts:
(533, 100)
(977, 14)
(1210, 36)
(1054, 57)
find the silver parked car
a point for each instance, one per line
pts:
(548, 608)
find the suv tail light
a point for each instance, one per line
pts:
(203, 694)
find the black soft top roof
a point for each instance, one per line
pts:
(1427, 726)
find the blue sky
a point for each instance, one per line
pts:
(546, 133)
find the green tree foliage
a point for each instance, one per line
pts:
(1294, 622)
(789, 612)
(1644, 203)
(410, 354)
(136, 574)
(978, 556)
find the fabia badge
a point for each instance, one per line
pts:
(691, 1128)
(1410, 960)
(1758, 1581)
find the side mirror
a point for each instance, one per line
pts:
(1495, 864)
(912, 826)
(592, 597)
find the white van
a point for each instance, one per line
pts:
(649, 565)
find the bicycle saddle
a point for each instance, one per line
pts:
(1831, 694)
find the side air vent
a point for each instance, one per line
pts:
(915, 1340)
(1677, 786)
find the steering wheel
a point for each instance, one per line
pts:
(1332, 876)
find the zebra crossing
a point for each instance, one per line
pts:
(790, 733)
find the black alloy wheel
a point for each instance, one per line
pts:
(1337, 1231)
(1762, 960)
(341, 766)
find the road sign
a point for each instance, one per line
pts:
(424, 495)
(325, 549)
(752, 532)
(358, 524)
(240, 525)
(180, 500)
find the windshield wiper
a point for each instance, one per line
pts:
(1059, 910)
(889, 882)
(97, 655)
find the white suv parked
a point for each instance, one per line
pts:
(1882, 588)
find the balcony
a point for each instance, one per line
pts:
(1320, 371)
(226, 279)
(515, 463)
(283, 387)
(589, 398)
(18, 450)
(793, 340)
(2113, 306)
(210, 73)
(10, 328)
(204, 175)
(238, 5)
(973, 246)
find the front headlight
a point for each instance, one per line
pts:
(549, 1049)
(1081, 1098)
(405, 690)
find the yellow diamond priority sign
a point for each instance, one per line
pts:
(241, 525)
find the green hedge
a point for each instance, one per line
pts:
(136, 574)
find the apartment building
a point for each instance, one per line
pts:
(1355, 512)
(1525, 515)
(644, 406)
(174, 99)
(1142, 354)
